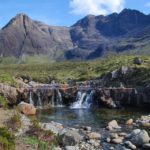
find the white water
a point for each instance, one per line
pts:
(84, 100)
(56, 100)
(30, 98)
(59, 99)
(39, 100)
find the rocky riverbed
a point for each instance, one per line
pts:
(132, 135)
(113, 137)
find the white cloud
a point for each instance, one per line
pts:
(96, 7)
(148, 4)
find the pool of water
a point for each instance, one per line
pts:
(89, 117)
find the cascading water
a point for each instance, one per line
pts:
(83, 100)
(30, 98)
(39, 100)
(56, 100)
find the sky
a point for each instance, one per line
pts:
(65, 12)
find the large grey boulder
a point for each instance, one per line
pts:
(140, 138)
(69, 138)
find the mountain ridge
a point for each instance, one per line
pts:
(89, 38)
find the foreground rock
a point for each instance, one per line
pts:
(113, 125)
(27, 109)
(52, 126)
(94, 135)
(139, 137)
(69, 138)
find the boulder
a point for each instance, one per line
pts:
(27, 109)
(9, 92)
(69, 138)
(140, 138)
(56, 128)
(93, 135)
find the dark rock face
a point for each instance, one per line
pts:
(91, 37)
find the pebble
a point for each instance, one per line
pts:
(129, 122)
(117, 141)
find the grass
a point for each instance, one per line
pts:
(37, 137)
(35, 142)
(79, 71)
(3, 102)
(7, 140)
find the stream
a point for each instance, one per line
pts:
(96, 118)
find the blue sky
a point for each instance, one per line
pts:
(65, 12)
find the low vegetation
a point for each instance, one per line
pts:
(79, 70)
(7, 140)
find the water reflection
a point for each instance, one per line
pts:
(89, 117)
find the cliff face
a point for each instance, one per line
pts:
(89, 38)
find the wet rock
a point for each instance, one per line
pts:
(71, 148)
(52, 126)
(113, 135)
(117, 141)
(113, 125)
(95, 143)
(112, 148)
(129, 122)
(140, 138)
(130, 145)
(120, 147)
(93, 135)
(86, 128)
(122, 134)
(69, 138)
(146, 124)
(146, 146)
(27, 109)
(108, 140)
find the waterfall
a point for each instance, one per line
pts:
(30, 98)
(83, 100)
(56, 100)
(39, 100)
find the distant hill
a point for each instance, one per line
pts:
(89, 38)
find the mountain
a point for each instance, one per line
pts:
(89, 38)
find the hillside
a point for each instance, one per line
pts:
(25, 40)
(64, 72)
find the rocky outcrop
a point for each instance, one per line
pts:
(125, 96)
(9, 92)
(27, 109)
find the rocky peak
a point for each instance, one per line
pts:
(19, 19)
